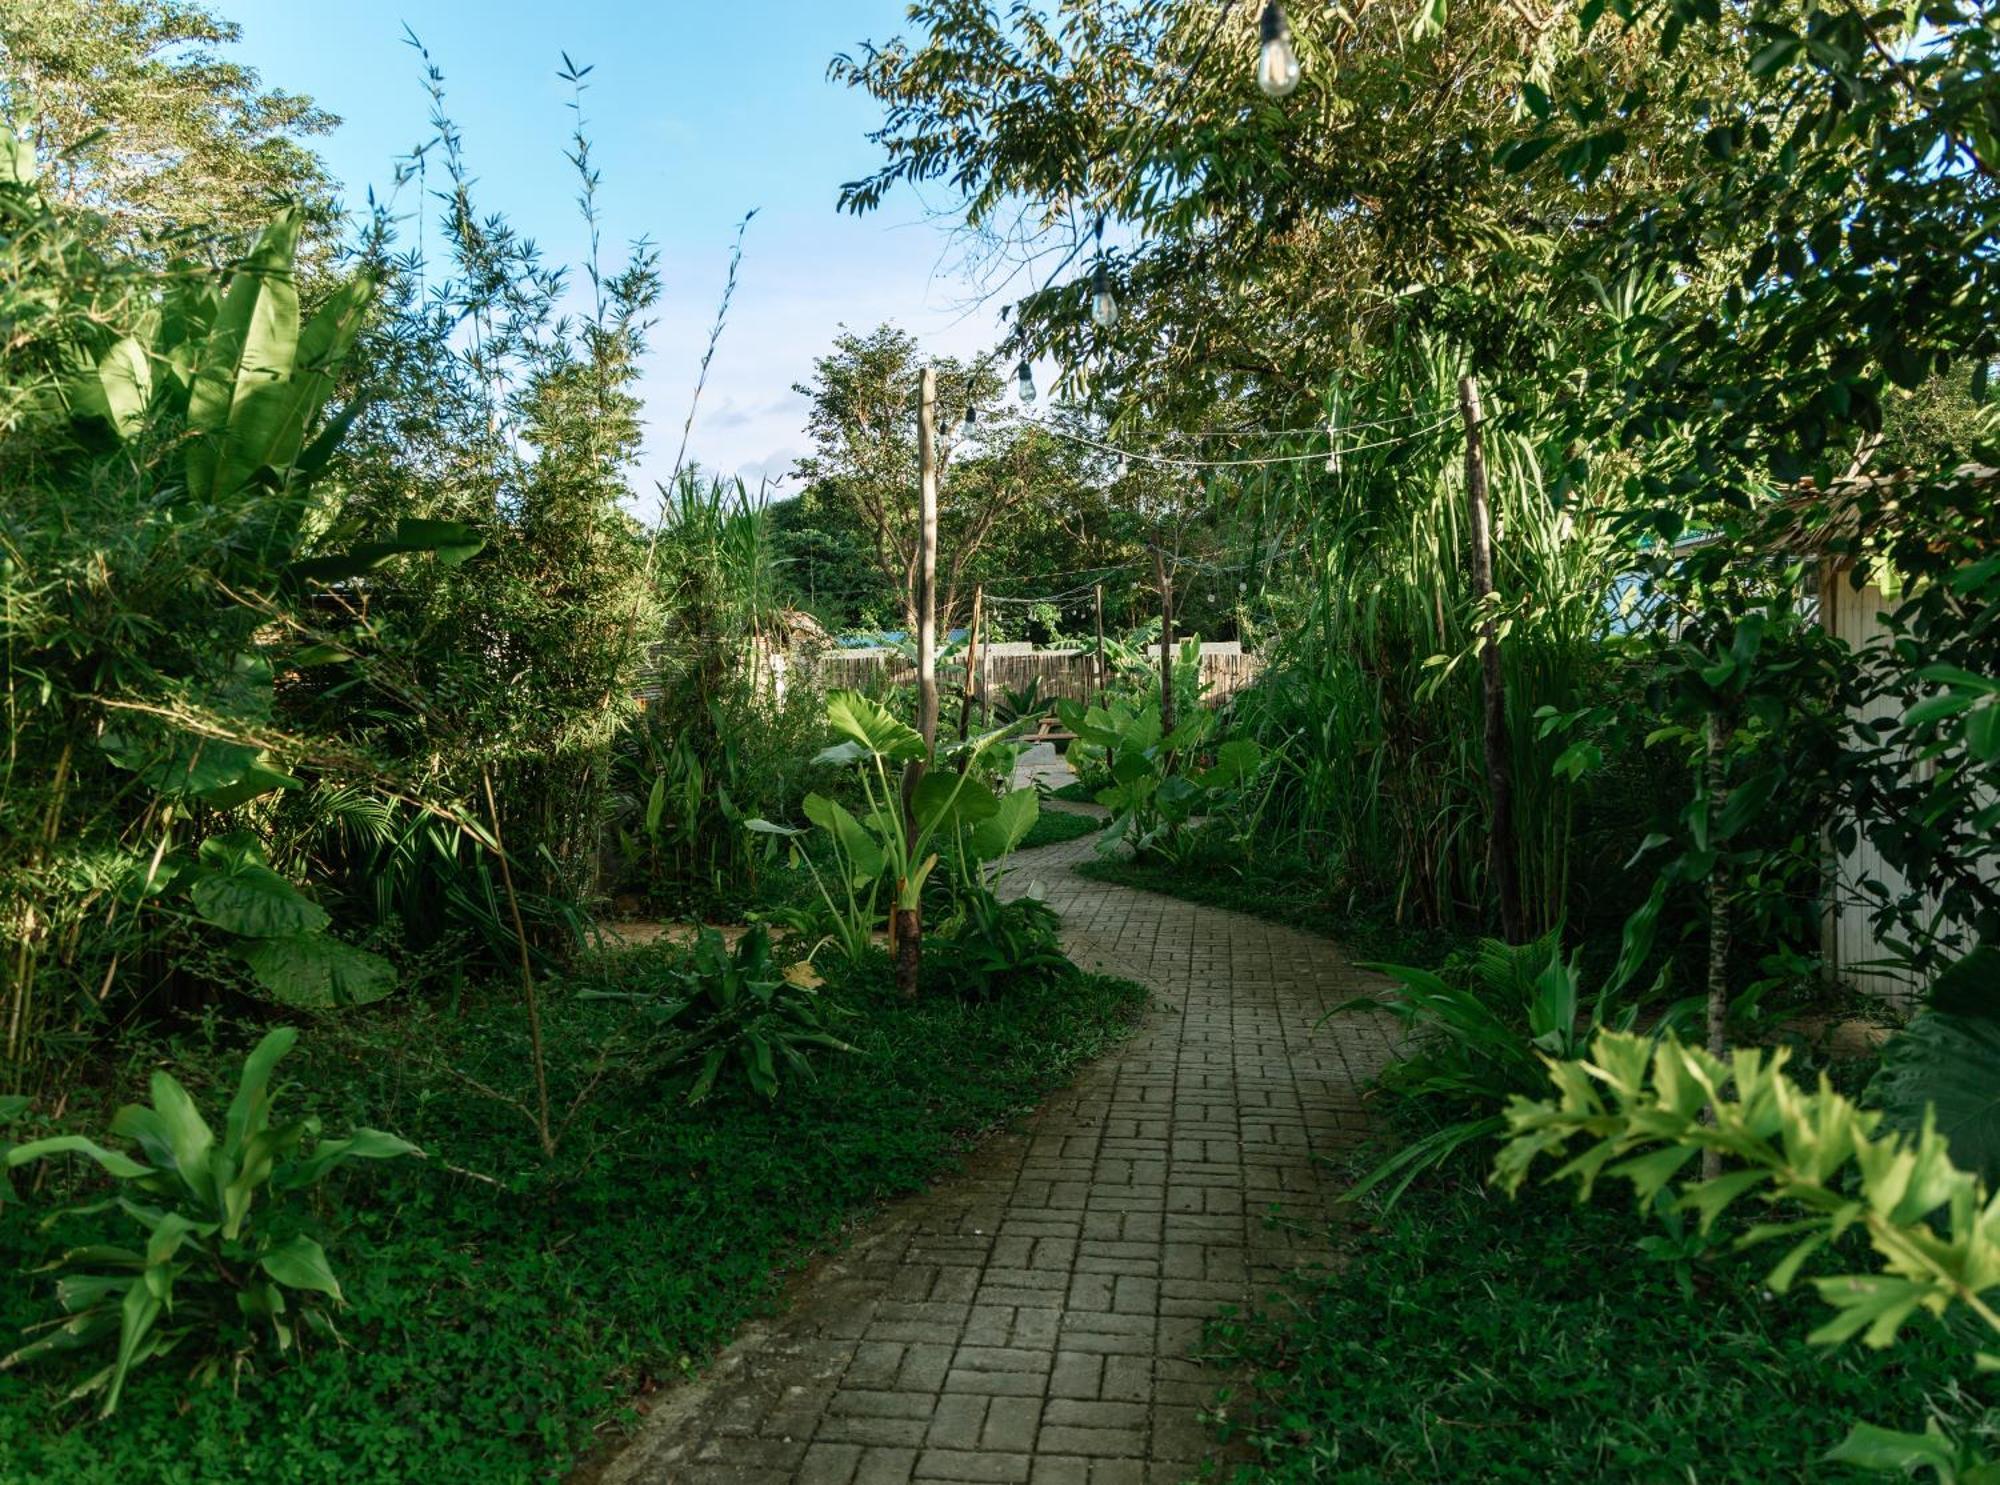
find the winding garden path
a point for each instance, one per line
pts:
(1032, 1319)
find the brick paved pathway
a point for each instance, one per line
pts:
(1031, 1320)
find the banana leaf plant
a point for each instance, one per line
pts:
(886, 852)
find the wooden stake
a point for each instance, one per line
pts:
(1502, 853)
(907, 923)
(1099, 671)
(1715, 780)
(1166, 586)
(971, 663)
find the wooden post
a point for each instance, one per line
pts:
(906, 924)
(1502, 853)
(971, 663)
(1715, 783)
(1099, 669)
(1166, 586)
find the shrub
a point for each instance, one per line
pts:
(991, 945)
(725, 1006)
(212, 1262)
(1476, 1041)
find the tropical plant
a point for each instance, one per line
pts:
(1151, 798)
(1020, 704)
(1476, 1039)
(166, 521)
(892, 848)
(222, 1257)
(730, 716)
(991, 943)
(734, 1007)
(1644, 1108)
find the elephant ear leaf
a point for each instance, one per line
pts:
(874, 726)
(1948, 1060)
(1007, 827)
(256, 902)
(314, 973)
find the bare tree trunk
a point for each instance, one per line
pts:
(971, 662)
(1718, 915)
(908, 922)
(1502, 852)
(1098, 667)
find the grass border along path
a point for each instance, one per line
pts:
(495, 1325)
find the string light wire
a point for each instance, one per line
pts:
(1176, 461)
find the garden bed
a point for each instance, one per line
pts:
(503, 1308)
(1470, 1337)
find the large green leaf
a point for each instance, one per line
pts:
(122, 1166)
(270, 431)
(316, 973)
(258, 780)
(947, 798)
(863, 851)
(1950, 1063)
(363, 1144)
(453, 543)
(172, 1132)
(256, 902)
(254, 332)
(119, 388)
(181, 763)
(874, 726)
(301, 1264)
(250, 1109)
(1012, 819)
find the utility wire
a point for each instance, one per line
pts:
(1176, 461)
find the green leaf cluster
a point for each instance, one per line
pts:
(220, 1255)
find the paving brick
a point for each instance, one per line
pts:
(1033, 1322)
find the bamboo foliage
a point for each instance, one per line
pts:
(1373, 701)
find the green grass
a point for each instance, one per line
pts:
(1296, 899)
(492, 1328)
(1474, 1338)
(1052, 827)
(1076, 791)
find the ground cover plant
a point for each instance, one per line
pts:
(1466, 1336)
(499, 1305)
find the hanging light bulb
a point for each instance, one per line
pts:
(1024, 381)
(1103, 303)
(1124, 468)
(967, 428)
(1277, 64)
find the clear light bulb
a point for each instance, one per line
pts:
(1123, 467)
(1103, 303)
(1277, 64)
(1024, 381)
(967, 428)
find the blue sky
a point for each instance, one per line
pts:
(699, 111)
